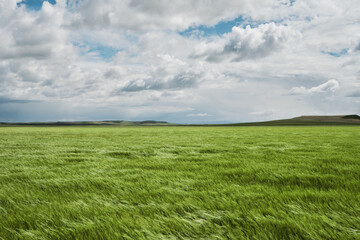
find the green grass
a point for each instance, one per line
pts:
(180, 183)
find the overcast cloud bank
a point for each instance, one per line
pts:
(92, 60)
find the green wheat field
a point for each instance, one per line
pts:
(180, 182)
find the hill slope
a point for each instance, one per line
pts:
(309, 120)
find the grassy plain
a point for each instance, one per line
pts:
(180, 182)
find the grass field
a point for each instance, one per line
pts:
(180, 182)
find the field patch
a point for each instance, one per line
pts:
(180, 182)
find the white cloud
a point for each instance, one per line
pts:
(249, 43)
(33, 35)
(329, 86)
(199, 115)
(263, 113)
(146, 15)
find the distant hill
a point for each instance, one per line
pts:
(309, 120)
(297, 121)
(92, 123)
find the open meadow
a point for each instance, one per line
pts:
(180, 182)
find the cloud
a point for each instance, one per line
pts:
(5, 100)
(244, 44)
(198, 115)
(179, 81)
(265, 113)
(32, 35)
(144, 15)
(354, 94)
(162, 72)
(357, 48)
(329, 86)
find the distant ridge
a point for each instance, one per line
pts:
(309, 120)
(351, 117)
(92, 123)
(297, 121)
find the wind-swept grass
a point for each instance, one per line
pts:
(180, 183)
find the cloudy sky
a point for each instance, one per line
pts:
(181, 61)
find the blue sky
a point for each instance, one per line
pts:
(179, 61)
(340, 53)
(35, 4)
(96, 51)
(219, 29)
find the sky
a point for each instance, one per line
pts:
(181, 61)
